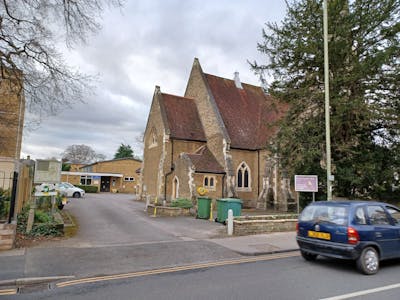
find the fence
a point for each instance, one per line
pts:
(8, 191)
(15, 188)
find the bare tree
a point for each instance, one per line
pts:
(81, 154)
(29, 32)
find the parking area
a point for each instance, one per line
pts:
(106, 219)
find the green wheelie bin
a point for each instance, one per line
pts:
(225, 204)
(203, 207)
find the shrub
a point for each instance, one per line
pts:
(43, 203)
(182, 202)
(46, 227)
(5, 198)
(88, 188)
(43, 217)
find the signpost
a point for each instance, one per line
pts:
(305, 183)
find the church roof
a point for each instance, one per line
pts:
(183, 118)
(248, 113)
(205, 162)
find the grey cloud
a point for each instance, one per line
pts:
(151, 43)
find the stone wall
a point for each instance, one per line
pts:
(7, 236)
(153, 153)
(167, 211)
(248, 225)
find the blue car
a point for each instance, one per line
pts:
(364, 231)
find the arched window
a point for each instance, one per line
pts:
(153, 138)
(209, 182)
(175, 188)
(243, 181)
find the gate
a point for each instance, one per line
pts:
(8, 192)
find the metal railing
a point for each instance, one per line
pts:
(8, 192)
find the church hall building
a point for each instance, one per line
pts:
(216, 136)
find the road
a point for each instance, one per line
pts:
(115, 235)
(272, 277)
(116, 219)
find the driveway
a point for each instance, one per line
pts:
(107, 219)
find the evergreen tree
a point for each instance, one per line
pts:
(364, 71)
(124, 151)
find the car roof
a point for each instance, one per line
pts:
(347, 202)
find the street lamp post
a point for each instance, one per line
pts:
(327, 106)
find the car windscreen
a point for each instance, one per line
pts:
(325, 213)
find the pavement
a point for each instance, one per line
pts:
(194, 241)
(260, 244)
(28, 266)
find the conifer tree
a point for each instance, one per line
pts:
(364, 74)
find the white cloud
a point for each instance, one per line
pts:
(145, 44)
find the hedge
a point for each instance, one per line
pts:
(88, 188)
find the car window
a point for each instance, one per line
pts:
(377, 215)
(359, 216)
(394, 213)
(325, 213)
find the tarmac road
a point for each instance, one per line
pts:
(116, 219)
(116, 236)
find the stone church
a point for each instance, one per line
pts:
(216, 137)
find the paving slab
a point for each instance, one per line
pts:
(260, 244)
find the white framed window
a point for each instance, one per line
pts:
(243, 178)
(86, 180)
(209, 182)
(129, 178)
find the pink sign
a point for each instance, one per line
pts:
(306, 183)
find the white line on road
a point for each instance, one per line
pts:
(365, 292)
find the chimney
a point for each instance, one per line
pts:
(237, 80)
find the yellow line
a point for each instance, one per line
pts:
(176, 269)
(8, 292)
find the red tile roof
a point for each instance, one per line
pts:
(248, 114)
(205, 162)
(183, 118)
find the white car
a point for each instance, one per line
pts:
(70, 190)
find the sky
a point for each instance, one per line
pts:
(143, 44)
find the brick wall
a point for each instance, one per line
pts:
(12, 108)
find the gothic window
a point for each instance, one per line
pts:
(243, 181)
(153, 138)
(209, 182)
(175, 188)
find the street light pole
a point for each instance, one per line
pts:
(327, 106)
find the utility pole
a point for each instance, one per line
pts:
(327, 106)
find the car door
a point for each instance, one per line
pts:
(394, 213)
(384, 232)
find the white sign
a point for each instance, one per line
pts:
(47, 171)
(306, 183)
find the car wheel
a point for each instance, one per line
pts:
(308, 256)
(76, 195)
(368, 262)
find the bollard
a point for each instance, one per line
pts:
(230, 222)
(211, 211)
(147, 202)
(155, 208)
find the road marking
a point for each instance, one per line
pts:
(365, 292)
(177, 269)
(8, 292)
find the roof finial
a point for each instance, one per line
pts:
(237, 80)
